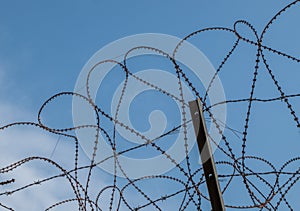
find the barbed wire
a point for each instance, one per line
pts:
(190, 178)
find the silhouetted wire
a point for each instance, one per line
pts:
(190, 178)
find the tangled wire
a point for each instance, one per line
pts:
(185, 184)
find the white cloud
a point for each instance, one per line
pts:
(19, 142)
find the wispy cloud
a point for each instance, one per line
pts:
(19, 142)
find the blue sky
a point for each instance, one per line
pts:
(57, 38)
(44, 46)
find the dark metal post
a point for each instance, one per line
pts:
(207, 159)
